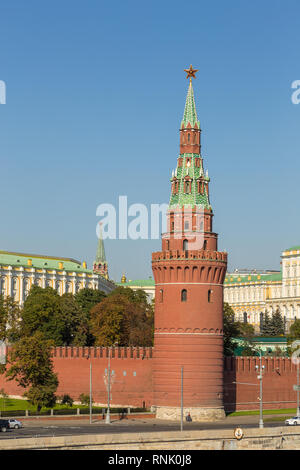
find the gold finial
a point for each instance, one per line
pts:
(123, 279)
(191, 72)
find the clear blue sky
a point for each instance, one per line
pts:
(95, 96)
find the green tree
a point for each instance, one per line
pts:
(75, 321)
(59, 318)
(265, 326)
(230, 330)
(246, 330)
(42, 312)
(84, 399)
(294, 332)
(87, 299)
(124, 317)
(277, 326)
(10, 314)
(31, 366)
(294, 335)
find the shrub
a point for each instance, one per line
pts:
(66, 400)
(84, 399)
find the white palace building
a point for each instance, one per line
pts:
(20, 271)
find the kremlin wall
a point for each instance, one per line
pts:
(132, 372)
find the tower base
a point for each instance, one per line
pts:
(197, 413)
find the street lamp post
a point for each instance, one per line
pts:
(260, 378)
(107, 420)
(181, 420)
(91, 396)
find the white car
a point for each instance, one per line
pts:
(293, 421)
(15, 424)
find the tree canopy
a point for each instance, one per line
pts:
(31, 366)
(124, 317)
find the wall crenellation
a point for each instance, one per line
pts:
(73, 352)
(246, 364)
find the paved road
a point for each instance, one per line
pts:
(58, 427)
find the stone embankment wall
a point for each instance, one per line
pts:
(254, 439)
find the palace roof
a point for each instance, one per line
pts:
(8, 258)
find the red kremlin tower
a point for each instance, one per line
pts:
(189, 274)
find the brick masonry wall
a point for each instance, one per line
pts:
(132, 378)
(279, 376)
(131, 370)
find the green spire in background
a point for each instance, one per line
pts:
(100, 255)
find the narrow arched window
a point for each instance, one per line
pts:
(209, 295)
(161, 295)
(205, 245)
(167, 245)
(183, 295)
(185, 245)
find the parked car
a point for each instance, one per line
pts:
(4, 425)
(293, 421)
(14, 424)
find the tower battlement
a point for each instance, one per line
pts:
(208, 255)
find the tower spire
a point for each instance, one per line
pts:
(100, 263)
(190, 112)
(189, 272)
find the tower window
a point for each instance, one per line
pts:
(185, 245)
(183, 295)
(161, 295)
(209, 295)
